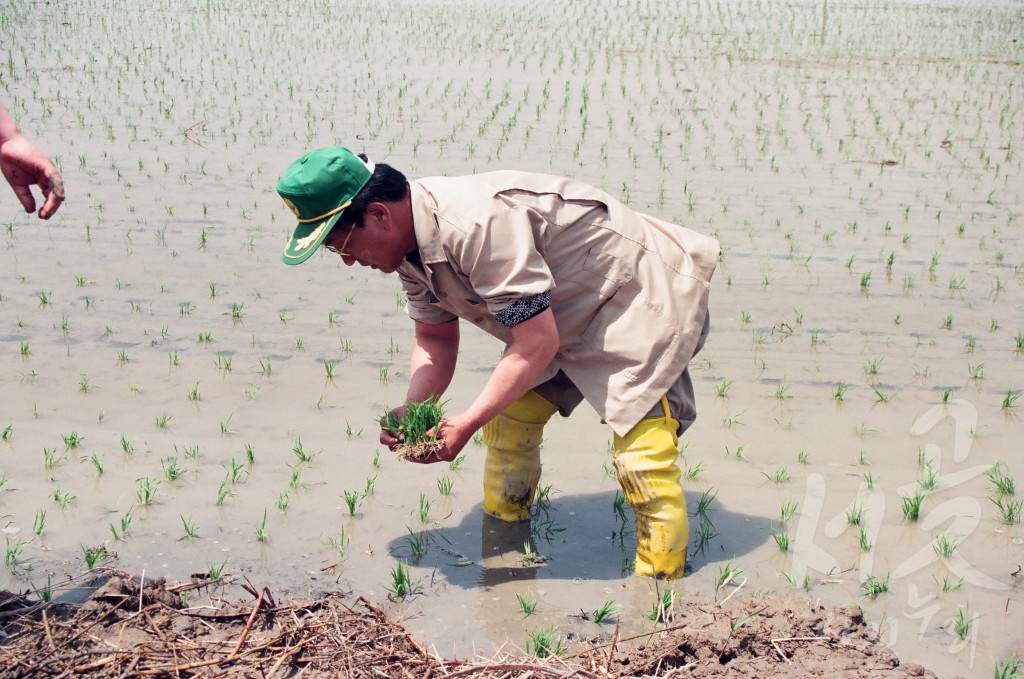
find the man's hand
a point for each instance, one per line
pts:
(388, 437)
(456, 432)
(23, 165)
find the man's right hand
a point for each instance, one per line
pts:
(388, 437)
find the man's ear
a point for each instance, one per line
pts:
(378, 211)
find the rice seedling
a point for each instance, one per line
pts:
(12, 556)
(126, 446)
(736, 624)
(96, 462)
(723, 388)
(376, 459)
(782, 540)
(93, 555)
(788, 510)
(704, 503)
(693, 472)
(739, 454)
(782, 391)
(946, 393)
(125, 520)
(236, 472)
(351, 499)
(863, 539)
(962, 623)
(1009, 510)
(173, 359)
(72, 440)
(301, 454)
(801, 457)
(64, 498)
(662, 609)
(796, 582)
(424, 509)
(145, 492)
(873, 586)
(727, 574)
(545, 643)
(261, 529)
(1011, 398)
(163, 421)
(731, 421)
(191, 529)
(172, 470)
(1003, 483)
(855, 515)
(930, 479)
(282, 501)
(705, 534)
(338, 543)
(944, 546)
(402, 584)
(295, 474)
(526, 602)
(839, 392)
(39, 523)
(1011, 668)
(51, 458)
(911, 505)
(780, 475)
(25, 349)
(223, 493)
(329, 367)
(605, 611)
(351, 432)
(417, 423)
(444, 485)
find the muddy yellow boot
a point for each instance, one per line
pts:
(645, 461)
(512, 468)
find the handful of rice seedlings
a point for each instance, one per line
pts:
(414, 428)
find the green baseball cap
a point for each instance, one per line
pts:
(317, 188)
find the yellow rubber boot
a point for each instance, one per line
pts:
(512, 468)
(645, 461)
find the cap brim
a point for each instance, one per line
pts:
(307, 238)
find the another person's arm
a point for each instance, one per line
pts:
(23, 164)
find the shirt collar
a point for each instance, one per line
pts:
(424, 219)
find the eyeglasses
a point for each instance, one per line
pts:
(341, 250)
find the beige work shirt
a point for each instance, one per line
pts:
(629, 292)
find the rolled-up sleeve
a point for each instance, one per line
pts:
(500, 254)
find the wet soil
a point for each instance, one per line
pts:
(124, 629)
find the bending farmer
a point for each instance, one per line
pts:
(595, 301)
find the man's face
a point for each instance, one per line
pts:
(373, 244)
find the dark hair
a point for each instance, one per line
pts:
(387, 185)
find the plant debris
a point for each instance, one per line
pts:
(124, 629)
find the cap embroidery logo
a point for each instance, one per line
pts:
(291, 206)
(303, 243)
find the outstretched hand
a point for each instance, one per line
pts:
(23, 165)
(456, 433)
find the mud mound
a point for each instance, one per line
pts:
(123, 629)
(772, 636)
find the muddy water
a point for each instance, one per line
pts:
(859, 163)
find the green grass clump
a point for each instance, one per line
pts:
(418, 419)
